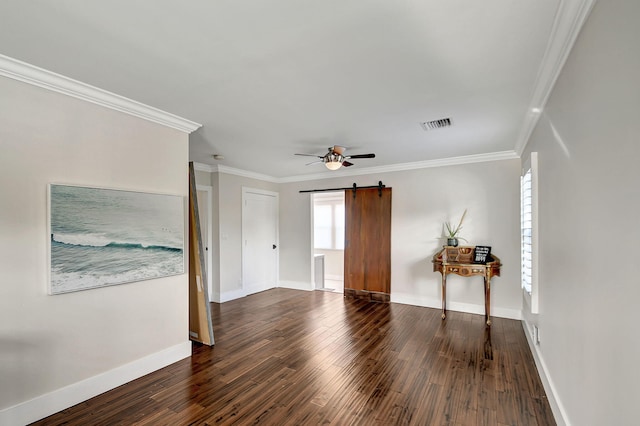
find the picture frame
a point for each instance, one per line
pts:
(101, 237)
(482, 254)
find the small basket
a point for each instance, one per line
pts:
(460, 254)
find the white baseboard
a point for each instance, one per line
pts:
(232, 295)
(296, 285)
(471, 308)
(240, 293)
(50, 403)
(334, 277)
(557, 408)
(408, 299)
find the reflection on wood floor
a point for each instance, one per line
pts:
(288, 357)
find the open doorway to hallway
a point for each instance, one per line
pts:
(328, 240)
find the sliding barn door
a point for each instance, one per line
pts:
(367, 251)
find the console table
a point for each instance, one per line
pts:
(459, 261)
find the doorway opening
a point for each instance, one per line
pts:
(328, 241)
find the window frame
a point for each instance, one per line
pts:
(529, 252)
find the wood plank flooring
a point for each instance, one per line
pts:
(287, 357)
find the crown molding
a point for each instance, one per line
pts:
(233, 171)
(30, 74)
(452, 161)
(570, 17)
(204, 167)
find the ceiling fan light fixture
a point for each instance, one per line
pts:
(333, 165)
(333, 160)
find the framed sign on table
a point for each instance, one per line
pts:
(482, 254)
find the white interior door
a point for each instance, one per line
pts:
(259, 240)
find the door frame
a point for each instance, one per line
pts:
(209, 237)
(312, 219)
(255, 191)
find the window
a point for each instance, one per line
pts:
(528, 227)
(525, 220)
(328, 221)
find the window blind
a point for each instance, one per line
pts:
(526, 230)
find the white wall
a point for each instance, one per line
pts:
(56, 349)
(588, 148)
(333, 263)
(421, 201)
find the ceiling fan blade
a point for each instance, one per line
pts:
(314, 162)
(347, 164)
(310, 155)
(339, 149)
(362, 156)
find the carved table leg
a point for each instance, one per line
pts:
(444, 295)
(487, 299)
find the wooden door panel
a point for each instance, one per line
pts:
(353, 255)
(368, 243)
(378, 255)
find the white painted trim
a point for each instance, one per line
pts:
(570, 17)
(232, 295)
(204, 167)
(209, 191)
(30, 74)
(559, 413)
(50, 403)
(296, 285)
(312, 236)
(247, 174)
(452, 161)
(232, 171)
(334, 277)
(249, 190)
(532, 299)
(470, 308)
(240, 293)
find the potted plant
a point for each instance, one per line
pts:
(452, 232)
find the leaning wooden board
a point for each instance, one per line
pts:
(200, 326)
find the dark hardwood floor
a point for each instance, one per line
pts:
(287, 357)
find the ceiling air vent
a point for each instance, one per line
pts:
(436, 124)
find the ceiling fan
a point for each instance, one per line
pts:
(335, 158)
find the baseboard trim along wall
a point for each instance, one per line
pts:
(50, 403)
(227, 296)
(232, 295)
(558, 410)
(296, 285)
(470, 308)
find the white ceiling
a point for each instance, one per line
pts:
(271, 78)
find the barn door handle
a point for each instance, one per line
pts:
(274, 246)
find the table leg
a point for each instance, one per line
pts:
(487, 300)
(444, 295)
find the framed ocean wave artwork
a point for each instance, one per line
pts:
(102, 237)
